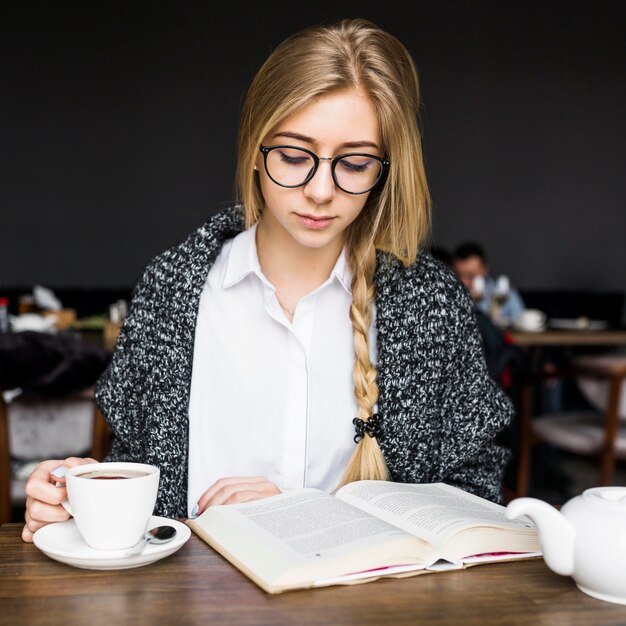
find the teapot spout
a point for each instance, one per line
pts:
(555, 532)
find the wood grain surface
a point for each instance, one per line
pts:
(197, 586)
(571, 338)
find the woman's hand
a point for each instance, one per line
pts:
(236, 490)
(43, 497)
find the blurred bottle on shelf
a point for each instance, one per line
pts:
(5, 324)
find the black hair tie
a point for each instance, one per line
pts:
(372, 428)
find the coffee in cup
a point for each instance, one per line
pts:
(112, 475)
(112, 503)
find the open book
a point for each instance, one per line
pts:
(368, 529)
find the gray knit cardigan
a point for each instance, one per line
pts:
(439, 408)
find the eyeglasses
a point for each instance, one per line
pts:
(354, 172)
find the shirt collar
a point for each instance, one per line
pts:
(342, 272)
(243, 261)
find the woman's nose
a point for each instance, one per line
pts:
(321, 188)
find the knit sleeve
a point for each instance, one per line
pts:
(473, 413)
(120, 390)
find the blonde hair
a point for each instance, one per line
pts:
(350, 54)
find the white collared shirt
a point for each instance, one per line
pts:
(270, 397)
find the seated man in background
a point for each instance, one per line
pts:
(499, 355)
(470, 263)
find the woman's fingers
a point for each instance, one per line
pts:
(45, 490)
(41, 512)
(73, 461)
(234, 490)
(222, 483)
(242, 495)
(42, 483)
(39, 486)
(38, 515)
(243, 492)
(27, 534)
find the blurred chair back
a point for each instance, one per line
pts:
(53, 414)
(601, 434)
(33, 429)
(597, 391)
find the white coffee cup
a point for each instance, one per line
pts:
(111, 502)
(531, 320)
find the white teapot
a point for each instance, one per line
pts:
(585, 540)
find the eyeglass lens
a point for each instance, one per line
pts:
(353, 173)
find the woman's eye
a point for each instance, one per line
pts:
(356, 167)
(293, 159)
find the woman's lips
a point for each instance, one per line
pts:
(315, 222)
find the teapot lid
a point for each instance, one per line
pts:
(608, 495)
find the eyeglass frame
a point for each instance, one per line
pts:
(265, 150)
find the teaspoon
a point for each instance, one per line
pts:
(158, 535)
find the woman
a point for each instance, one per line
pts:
(251, 347)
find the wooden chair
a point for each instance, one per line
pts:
(587, 433)
(5, 466)
(99, 447)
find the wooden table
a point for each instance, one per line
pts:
(197, 586)
(569, 338)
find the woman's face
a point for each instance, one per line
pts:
(316, 215)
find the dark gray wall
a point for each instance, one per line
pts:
(118, 125)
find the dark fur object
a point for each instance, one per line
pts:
(49, 365)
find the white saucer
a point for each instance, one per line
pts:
(62, 542)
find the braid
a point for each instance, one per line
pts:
(367, 461)
(365, 387)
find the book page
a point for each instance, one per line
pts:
(310, 524)
(309, 533)
(434, 512)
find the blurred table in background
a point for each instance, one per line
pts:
(568, 338)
